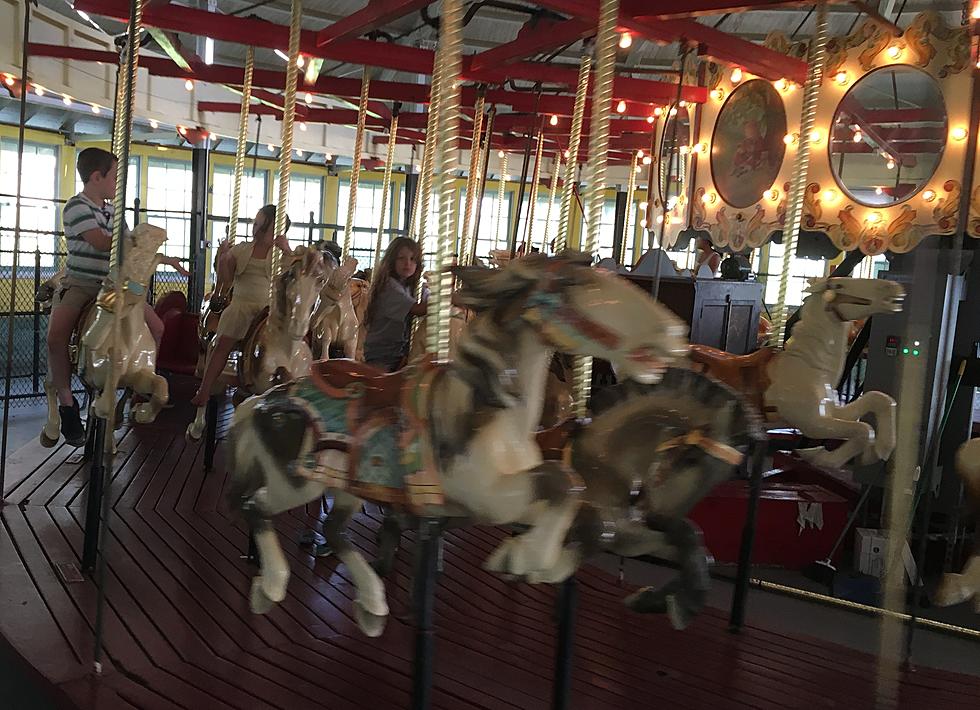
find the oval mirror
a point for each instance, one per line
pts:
(673, 155)
(747, 147)
(888, 135)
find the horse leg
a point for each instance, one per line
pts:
(857, 437)
(684, 596)
(884, 409)
(389, 539)
(958, 588)
(370, 605)
(149, 383)
(51, 431)
(548, 496)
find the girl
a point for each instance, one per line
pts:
(392, 303)
(707, 256)
(248, 266)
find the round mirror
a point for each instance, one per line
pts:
(748, 145)
(673, 155)
(888, 135)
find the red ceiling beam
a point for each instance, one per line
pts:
(669, 9)
(339, 116)
(534, 38)
(375, 15)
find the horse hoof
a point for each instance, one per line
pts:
(647, 601)
(509, 559)
(258, 601)
(144, 414)
(192, 434)
(373, 625)
(46, 441)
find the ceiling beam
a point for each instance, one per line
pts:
(375, 15)
(671, 9)
(338, 116)
(541, 36)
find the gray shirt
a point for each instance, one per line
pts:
(387, 336)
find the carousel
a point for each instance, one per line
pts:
(425, 472)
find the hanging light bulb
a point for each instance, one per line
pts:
(189, 85)
(299, 153)
(553, 120)
(302, 125)
(66, 100)
(95, 109)
(39, 90)
(621, 107)
(300, 61)
(308, 98)
(272, 148)
(647, 160)
(566, 154)
(500, 154)
(879, 191)
(736, 75)
(154, 124)
(890, 164)
(858, 137)
(657, 112)
(639, 154)
(625, 40)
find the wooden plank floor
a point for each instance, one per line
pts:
(178, 632)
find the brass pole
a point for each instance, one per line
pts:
(355, 169)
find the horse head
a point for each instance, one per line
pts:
(297, 291)
(854, 299)
(582, 311)
(139, 255)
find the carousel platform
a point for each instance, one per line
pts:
(178, 631)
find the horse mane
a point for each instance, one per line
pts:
(302, 260)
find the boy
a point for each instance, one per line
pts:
(87, 220)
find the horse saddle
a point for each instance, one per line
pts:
(378, 388)
(81, 325)
(747, 374)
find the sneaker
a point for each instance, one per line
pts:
(71, 424)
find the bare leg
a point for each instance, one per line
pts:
(149, 383)
(370, 605)
(217, 359)
(60, 325)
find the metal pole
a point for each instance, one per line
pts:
(567, 602)
(739, 598)
(424, 596)
(13, 271)
(520, 196)
(488, 132)
(37, 321)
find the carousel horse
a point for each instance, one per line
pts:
(274, 349)
(798, 383)
(452, 439)
(106, 362)
(334, 318)
(647, 456)
(962, 587)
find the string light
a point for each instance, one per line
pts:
(780, 84)
(621, 107)
(841, 77)
(647, 160)
(640, 154)
(95, 109)
(890, 164)
(718, 94)
(189, 85)
(553, 120)
(858, 137)
(302, 125)
(39, 90)
(673, 111)
(894, 52)
(650, 120)
(154, 124)
(625, 40)
(736, 75)
(66, 100)
(658, 112)
(308, 98)
(816, 136)
(959, 133)
(929, 195)
(879, 191)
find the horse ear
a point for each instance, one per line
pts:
(817, 285)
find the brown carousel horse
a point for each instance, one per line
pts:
(797, 384)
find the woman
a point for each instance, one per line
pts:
(392, 304)
(707, 256)
(248, 267)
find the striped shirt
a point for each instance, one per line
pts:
(80, 215)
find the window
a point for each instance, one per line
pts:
(540, 221)
(367, 213)
(800, 271)
(40, 213)
(132, 186)
(492, 233)
(607, 229)
(305, 196)
(168, 204)
(251, 201)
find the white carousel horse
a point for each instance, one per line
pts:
(962, 587)
(446, 440)
(133, 354)
(275, 349)
(798, 383)
(334, 318)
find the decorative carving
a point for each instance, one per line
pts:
(698, 209)
(868, 34)
(946, 211)
(973, 228)
(713, 73)
(812, 210)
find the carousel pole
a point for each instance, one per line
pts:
(124, 126)
(568, 190)
(355, 168)
(501, 194)
(533, 199)
(512, 245)
(472, 179)
(794, 199)
(485, 163)
(448, 62)
(630, 189)
(8, 374)
(555, 169)
(385, 189)
(286, 153)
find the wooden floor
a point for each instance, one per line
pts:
(178, 632)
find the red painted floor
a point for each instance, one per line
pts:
(178, 632)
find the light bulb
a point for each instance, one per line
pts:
(625, 40)
(975, 13)
(841, 77)
(709, 198)
(879, 191)
(553, 120)
(790, 138)
(213, 136)
(299, 153)
(642, 206)
(959, 133)
(500, 154)
(308, 98)
(682, 103)
(39, 90)
(302, 125)
(647, 160)
(181, 130)
(929, 195)
(328, 157)
(639, 154)
(272, 148)
(780, 84)
(815, 136)
(736, 75)
(621, 107)
(66, 100)
(154, 124)
(566, 154)
(637, 169)
(300, 61)
(658, 112)
(894, 52)
(829, 195)
(890, 164)
(874, 217)
(643, 223)
(684, 150)
(189, 85)
(772, 195)
(650, 120)
(673, 111)
(660, 219)
(8, 80)
(95, 109)
(858, 137)
(718, 94)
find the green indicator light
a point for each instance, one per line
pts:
(916, 353)
(905, 351)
